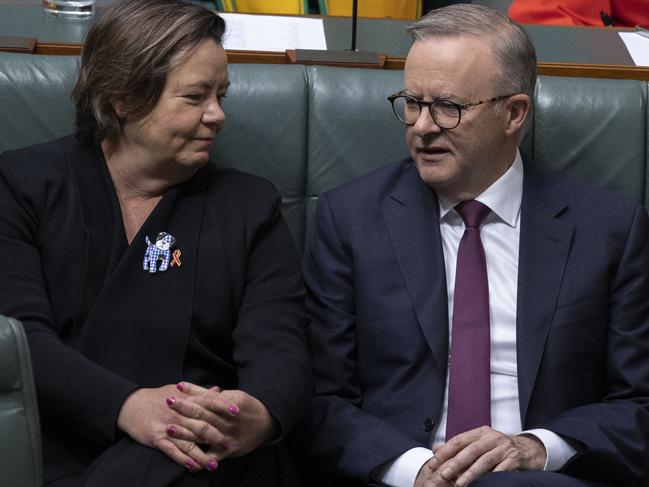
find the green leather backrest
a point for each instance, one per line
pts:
(265, 132)
(20, 452)
(35, 104)
(309, 129)
(593, 129)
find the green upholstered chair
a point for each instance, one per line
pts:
(20, 459)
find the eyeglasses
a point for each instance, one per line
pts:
(445, 113)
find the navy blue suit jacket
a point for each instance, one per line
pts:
(377, 292)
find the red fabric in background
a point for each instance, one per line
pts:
(630, 12)
(580, 12)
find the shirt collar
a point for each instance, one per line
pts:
(503, 197)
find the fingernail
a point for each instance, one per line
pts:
(234, 410)
(190, 465)
(171, 430)
(447, 473)
(180, 386)
(215, 389)
(212, 465)
(225, 445)
(170, 401)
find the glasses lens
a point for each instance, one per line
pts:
(406, 109)
(446, 114)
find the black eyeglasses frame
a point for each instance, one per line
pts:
(458, 106)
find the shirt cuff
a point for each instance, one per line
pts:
(403, 470)
(558, 451)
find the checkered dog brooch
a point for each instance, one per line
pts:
(160, 251)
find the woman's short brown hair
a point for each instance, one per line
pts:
(127, 55)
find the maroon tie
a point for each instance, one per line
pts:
(469, 392)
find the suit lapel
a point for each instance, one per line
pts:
(411, 216)
(544, 247)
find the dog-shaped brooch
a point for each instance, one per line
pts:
(160, 251)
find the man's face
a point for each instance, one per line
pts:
(462, 162)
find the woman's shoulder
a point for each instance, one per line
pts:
(44, 156)
(40, 163)
(233, 181)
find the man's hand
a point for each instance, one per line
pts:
(428, 476)
(469, 455)
(231, 422)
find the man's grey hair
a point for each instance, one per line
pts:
(514, 53)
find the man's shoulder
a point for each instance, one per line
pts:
(581, 197)
(372, 185)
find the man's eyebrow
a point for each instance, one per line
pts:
(439, 96)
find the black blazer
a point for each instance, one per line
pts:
(377, 290)
(100, 326)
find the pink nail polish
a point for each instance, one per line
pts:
(234, 410)
(170, 401)
(190, 465)
(171, 430)
(212, 465)
(180, 386)
(225, 445)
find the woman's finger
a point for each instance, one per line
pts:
(181, 433)
(188, 454)
(193, 389)
(205, 431)
(207, 406)
(220, 404)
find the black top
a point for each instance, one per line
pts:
(99, 325)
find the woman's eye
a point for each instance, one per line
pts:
(194, 96)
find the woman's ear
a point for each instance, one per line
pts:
(119, 107)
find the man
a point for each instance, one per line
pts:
(516, 345)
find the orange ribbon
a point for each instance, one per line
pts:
(176, 258)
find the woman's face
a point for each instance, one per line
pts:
(177, 134)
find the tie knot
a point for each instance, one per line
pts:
(472, 212)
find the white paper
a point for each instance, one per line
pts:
(638, 47)
(272, 33)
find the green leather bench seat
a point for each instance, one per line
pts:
(309, 129)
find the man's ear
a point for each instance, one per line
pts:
(518, 108)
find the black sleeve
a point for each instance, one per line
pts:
(70, 387)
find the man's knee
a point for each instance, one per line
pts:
(527, 479)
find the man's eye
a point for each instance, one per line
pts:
(446, 106)
(411, 103)
(194, 96)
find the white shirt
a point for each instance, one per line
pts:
(500, 234)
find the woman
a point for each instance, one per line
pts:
(162, 301)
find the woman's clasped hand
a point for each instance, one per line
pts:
(194, 426)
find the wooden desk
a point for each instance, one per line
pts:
(561, 51)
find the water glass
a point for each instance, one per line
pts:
(70, 9)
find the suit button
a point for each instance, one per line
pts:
(428, 424)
